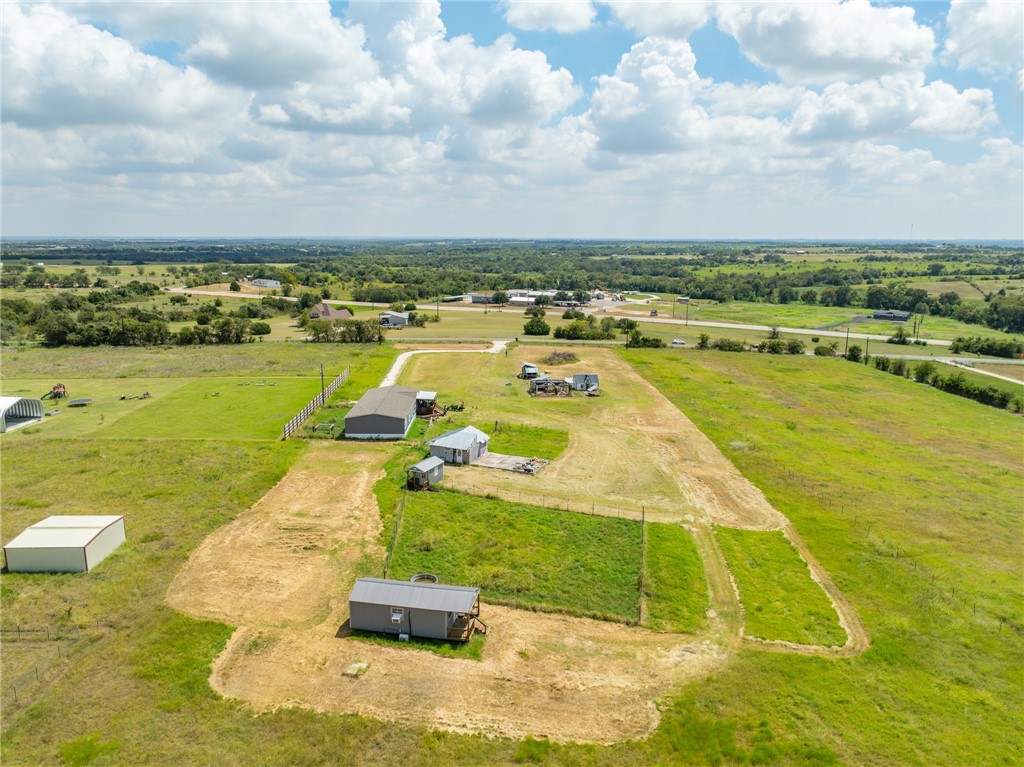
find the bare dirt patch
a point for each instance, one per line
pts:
(644, 454)
(279, 563)
(567, 679)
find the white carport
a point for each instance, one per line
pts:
(19, 411)
(64, 544)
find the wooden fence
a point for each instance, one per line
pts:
(316, 402)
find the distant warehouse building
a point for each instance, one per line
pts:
(429, 610)
(383, 413)
(891, 314)
(64, 544)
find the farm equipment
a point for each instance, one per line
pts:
(456, 408)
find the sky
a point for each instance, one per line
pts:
(520, 119)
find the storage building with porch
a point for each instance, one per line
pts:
(428, 610)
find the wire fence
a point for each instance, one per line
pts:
(33, 654)
(394, 536)
(317, 401)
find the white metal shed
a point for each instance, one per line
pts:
(64, 544)
(19, 411)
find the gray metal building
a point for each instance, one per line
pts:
(383, 413)
(460, 446)
(429, 610)
(394, 319)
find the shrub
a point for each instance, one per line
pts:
(794, 346)
(703, 341)
(853, 354)
(924, 371)
(536, 327)
(260, 329)
(728, 345)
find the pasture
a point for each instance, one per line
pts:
(780, 602)
(909, 497)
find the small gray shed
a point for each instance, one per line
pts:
(430, 610)
(383, 413)
(427, 472)
(394, 319)
(460, 446)
(585, 382)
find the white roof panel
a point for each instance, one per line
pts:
(95, 522)
(53, 538)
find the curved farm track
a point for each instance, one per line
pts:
(282, 570)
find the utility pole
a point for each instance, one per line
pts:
(847, 347)
(322, 389)
(867, 349)
(687, 312)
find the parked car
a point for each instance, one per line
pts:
(678, 342)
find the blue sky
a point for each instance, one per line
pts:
(514, 119)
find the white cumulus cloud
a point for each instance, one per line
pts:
(565, 16)
(986, 35)
(820, 42)
(661, 18)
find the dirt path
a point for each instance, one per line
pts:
(400, 361)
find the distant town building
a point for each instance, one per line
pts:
(261, 283)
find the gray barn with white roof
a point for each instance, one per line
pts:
(383, 413)
(430, 610)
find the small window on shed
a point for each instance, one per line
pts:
(396, 614)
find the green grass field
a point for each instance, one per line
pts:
(910, 499)
(781, 600)
(522, 555)
(674, 596)
(220, 408)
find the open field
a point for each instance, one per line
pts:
(798, 315)
(1010, 371)
(781, 602)
(522, 555)
(672, 567)
(907, 496)
(910, 499)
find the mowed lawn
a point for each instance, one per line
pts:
(911, 499)
(522, 555)
(220, 408)
(780, 599)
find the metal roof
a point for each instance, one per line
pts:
(427, 464)
(420, 596)
(85, 520)
(394, 401)
(427, 395)
(62, 532)
(459, 439)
